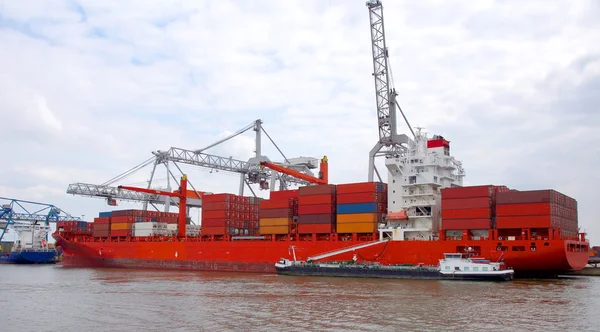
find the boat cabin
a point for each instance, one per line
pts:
(457, 262)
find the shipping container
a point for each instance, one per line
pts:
(102, 220)
(528, 222)
(359, 208)
(122, 219)
(468, 192)
(359, 218)
(218, 222)
(276, 204)
(526, 209)
(218, 198)
(212, 206)
(315, 228)
(100, 233)
(275, 221)
(273, 230)
(316, 209)
(120, 233)
(321, 189)
(361, 187)
(149, 225)
(466, 203)
(120, 226)
(467, 214)
(466, 224)
(102, 227)
(536, 196)
(283, 194)
(316, 218)
(222, 214)
(276, 213)
(316, 199)
(360, 198)
(367, 227)
(105, 214)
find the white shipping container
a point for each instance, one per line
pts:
(147, 232)
(172, 227)
(146, 225)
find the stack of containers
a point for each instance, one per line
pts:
(469, 208)
(360, 206)
(254, 214)
(536, 209)
(218, 212)
(276, 214)
(74, 226)
(102, 225)
(317, 209)
(151, 228)
(121, 222)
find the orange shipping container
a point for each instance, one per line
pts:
(358, 218)
(276, 204)
(273, 229)
(283, 194)
(275, 222)
(120, 226)
(364, 227)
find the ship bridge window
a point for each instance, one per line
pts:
(484, 268)
(447, 267)
(475, 268)
(466, 268)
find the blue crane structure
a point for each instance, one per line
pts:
(14, 211)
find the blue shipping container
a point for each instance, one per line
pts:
(357, 208)
(105, 214)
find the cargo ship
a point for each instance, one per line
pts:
(454, 266)
(30, 246)
(422, 212)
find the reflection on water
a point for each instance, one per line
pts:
(52, 298)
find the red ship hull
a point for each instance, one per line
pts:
(550, 257)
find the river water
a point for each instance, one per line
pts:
(53, 298)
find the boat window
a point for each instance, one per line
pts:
(466, 268)
(475, 268)
(447, 267)
(484, 268)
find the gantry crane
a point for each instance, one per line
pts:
(250, 172)
(323, 172)
(390, 142)
(17, 211)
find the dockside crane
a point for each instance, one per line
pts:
(18, 211)
(323, 172)
(390, 143)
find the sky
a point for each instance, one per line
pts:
(88, 89)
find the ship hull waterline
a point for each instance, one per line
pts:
(550, 258)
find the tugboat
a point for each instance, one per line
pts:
(31, 246)
(454, 266)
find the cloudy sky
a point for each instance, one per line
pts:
(89, 88)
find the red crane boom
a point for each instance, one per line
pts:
(323, 172)
(181, 193)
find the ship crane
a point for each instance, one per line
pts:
(323, 172)
(181, 194)
(250, 172)
(16, 211)
(390, 143)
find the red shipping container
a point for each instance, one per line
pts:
(210, 206)
(104, 220)
(361, 187)
(316, 209)
(359, 198)
(466, 203)
(217, 214)
(320, 189)
(467, 214)
(316, 218)
(276, 204)
(214, 230)
(315, 228)
(468, 192)
(526, 209)
(527, 222)
(122, 219)
(316, 199)
(459, 224)
(273, 213)
(119, 233)
(283, 194)
(218, 198)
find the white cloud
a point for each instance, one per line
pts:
(89, 91)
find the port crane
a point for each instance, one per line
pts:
(26, 213)
(250, 172)
(323, 172)
(390, 143)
